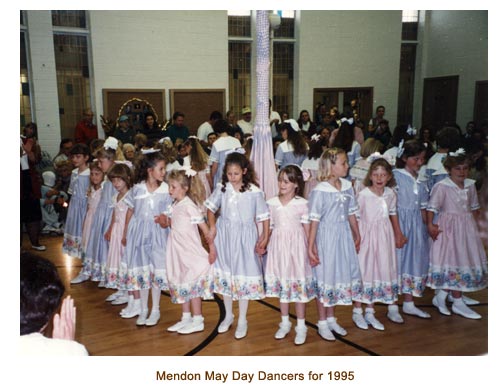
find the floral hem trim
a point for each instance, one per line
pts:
(465, 279)
(238, 287)
(413, 285)
(72, 246)
(339, 294)
(184, 292)
(290, 291)
(380, 292)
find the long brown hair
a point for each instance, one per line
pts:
(194, 185)
(248, 178)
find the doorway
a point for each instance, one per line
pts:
(439, 106)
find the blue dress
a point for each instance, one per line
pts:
(98, 246)
(144, 259)
(413, 258)
(219, 152)
(76, 213)
(237, 269)
(285, 155)
(338, 276)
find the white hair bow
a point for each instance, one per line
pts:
(192, 137)
(149, 151)
(315, 137)
(293, 124)
(163, 139)
(189, 172)
(111, 143)
(350, 120)
(372, 157)
(460, 151)
(400, 151)
(239, 150)
(411, 130)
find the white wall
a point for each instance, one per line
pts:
(454, 43)
(350, 49)
(158, 50)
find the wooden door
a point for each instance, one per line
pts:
(439, 107)
(481, 103)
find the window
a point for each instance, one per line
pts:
(25, 104)
(239, 23)
(239, 67)
(283, 77)
(286, 29)
(409, 30)
(75, 19)
(406, 83)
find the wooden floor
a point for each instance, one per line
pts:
(104, 333)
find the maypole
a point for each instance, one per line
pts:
(262, 150)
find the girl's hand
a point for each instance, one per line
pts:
(261, 245)
(65, 323)
(211, 235)
(162, 220)
(357, 243)
(212, 253)
(313, 256)
(400, 240)
(123, 241)
(433, 231)
(107, 235)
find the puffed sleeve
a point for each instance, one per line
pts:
(437, 197)
(353, 205)
(391, 203)
(213, 202)
(262, 211)
(196, 216)
(279, 155)
(315, 205)
(304, 212)
(423, 191)
(129, 199)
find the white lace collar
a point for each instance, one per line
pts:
(325, 186)
(449, 182)
(296, 200)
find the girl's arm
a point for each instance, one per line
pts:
(424, 216)
(107, 235)
(212, 226)
(432, 228)
(312, 251)
(353, 223)
(212, 250)
(214, 169)
(399, 237)
(263, 238)
(129, 213)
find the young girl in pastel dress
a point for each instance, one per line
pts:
(288, 273)
(293, 149)
(143, 267)
(345, 139)
(80, 180)
(310, 164)
(188, 264)
(380, 235)
(334, 241)
(198, 160)
(237, 269)
(457, 261)
(120, 177)
(413, 258)
(224, 144)
(93, 197)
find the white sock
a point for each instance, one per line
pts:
(285, 319)
(243, 306)
(393, 308)
(301, 323)
(357, 310)
(156, 297)
(228, 302)
(186, 315)
(198, 318)
(369, 310)
(144, 298)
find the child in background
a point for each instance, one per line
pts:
(294, 149)
(380, 236)
(310, 164)
(121, 178)
(359, 170)
(288, 273)
(170, 154)
(80, 180)
(457, 260)
(221, 147)
(50, 216)
(93, 197)
(198, 160)
(237, 270)
(334, 241)
(188, 266)
(413, 258)
(143, 266)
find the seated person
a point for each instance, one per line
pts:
(41, 294)
(50, 197)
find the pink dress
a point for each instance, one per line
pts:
(377, 256)
(93, 202)
(187, 267)
(288, 274)
(116, 248)
(457, 259)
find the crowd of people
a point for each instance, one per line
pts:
(362, 216)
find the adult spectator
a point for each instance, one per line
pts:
(207, 127)
(275, 120)
(41, 294)
(31, 215)
(245, 123)
(124, 132)
(178, 132)
(64, 150)
(232, 123)
(308, 128)
(374, 123)
(85, 130)
(151, 129)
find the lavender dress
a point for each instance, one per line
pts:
(285, 155)
(237, 269)
(338, 277)
(218, 154)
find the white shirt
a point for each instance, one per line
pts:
(204, 130)
(247, 127)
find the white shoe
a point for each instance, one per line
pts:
(153, 318)
(114, 296)
(300, 335)
(133, 311)
(284, 329)
(39, 247)
(336, 327)
(142, 317)
(393, 314)
(122, 299)
(128, 306)
(179, 325)
(460, 308)
(80, 278)
(101, 284)
(410, 309)
(324, 332)
(468, 301)
(194, 326)
(441, 306)
(241, 330)
(225, 325)
(372, 320)
(359, 320)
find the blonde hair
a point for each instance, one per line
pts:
(198, 157)
(168, 150)
(370, 146)
(194, 186)
(327, 159)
